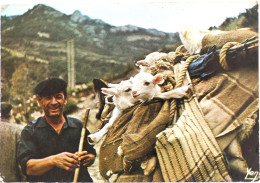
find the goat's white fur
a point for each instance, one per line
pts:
(122, 99)
(145, 88)
(191, 37)
(149, 61)
(149, 165)
(112, 176)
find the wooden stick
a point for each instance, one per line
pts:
(242, 46)
(76, 175)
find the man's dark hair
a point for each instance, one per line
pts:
(6, 110)
(51, 86)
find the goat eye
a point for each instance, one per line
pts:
(128, 90)
(146, 83)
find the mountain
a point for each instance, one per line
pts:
(100, 49)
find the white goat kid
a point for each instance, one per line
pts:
(146, 87)
(149, 61)
(122, 99)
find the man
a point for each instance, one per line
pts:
(48, 148)
(6, 111)
(10, 135)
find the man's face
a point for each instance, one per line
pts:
(53, 104)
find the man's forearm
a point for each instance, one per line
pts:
(39, 166)
(65, 160)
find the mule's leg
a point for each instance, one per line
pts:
(237, 163)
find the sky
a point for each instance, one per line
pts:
(163, 15)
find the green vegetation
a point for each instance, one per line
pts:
(19, 76)
(247, 19)
(70, 107)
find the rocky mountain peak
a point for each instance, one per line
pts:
(78, 17)
(44, 10)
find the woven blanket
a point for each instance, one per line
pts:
(136, 132)
(188, 152)
(227, 100)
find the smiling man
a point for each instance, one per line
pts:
(48, 148)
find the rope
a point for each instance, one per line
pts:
(180, 80)
(223, 54)
(184, 69)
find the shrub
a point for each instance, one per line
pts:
(70, 107)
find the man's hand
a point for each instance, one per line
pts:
(66, 161)
(85, 158)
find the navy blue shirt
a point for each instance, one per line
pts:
(40, 140)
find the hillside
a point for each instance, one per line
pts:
(247, 19)
(99, 47)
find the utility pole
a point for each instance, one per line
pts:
(26, 85)
(71, 63)
(73, 74)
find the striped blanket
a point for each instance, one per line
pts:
(188, 152)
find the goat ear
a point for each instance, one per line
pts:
(111, 85)
(108, 91)
(158, 79)
(98, 84)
